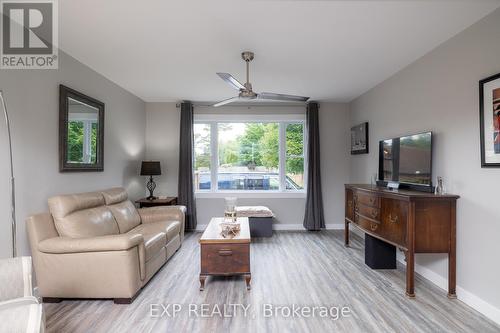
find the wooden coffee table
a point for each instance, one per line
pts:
(225, 256)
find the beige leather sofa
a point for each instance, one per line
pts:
(98, 245)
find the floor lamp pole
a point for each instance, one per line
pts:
(12, 182)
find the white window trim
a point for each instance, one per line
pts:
(283, 120)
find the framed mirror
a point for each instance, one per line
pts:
(81, 132)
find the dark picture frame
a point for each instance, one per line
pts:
(65, 94)
(360, 139)
(489, 114)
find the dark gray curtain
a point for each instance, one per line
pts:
(313, 217)
(186, 190)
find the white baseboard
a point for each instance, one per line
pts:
(284, 227)
(463, 295)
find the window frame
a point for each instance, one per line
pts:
(283, 121)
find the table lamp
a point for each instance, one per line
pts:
(150, 168)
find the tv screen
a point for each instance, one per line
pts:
(407, 159)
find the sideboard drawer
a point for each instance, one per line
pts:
(367, 224)
(225, 258)
(367, 211)
(367, 199)
(394, 216)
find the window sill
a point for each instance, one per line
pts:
(251, 194)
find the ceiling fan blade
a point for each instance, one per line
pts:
(227, 101)
(282, 97)
(231, 81)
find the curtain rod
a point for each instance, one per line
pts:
(208, 104)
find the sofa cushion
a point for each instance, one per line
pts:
(82, 215)
(154, 243)
(171, 228)
(63, 205)
(125, 215)
(253, 211)
(114, 195)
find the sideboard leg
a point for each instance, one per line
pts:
(410, 253)
(410, 274)
(452, 255)
(346, 234)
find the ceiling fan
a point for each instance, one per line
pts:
(246, 92)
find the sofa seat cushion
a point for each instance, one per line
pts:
(125, 215)
(154, 243)
(171, 228)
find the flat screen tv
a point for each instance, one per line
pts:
(407, 160)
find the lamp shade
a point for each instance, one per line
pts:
(150, 168)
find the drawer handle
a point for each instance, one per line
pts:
(374, 213)
(372, 200)
(225, 252)
(373, 226)
(356, 209)
(393, 219)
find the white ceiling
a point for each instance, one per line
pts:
(164, 50)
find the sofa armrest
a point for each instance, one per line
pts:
(15, 278)
(164, 213)
(59, 245)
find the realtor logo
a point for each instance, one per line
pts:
(29, 34)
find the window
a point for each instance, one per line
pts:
(202, 159)
(82, 136)
(250, 155)
(295, 156)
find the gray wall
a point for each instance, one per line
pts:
(162, 138)
(162, 144)
(439, 92)
(32, 97)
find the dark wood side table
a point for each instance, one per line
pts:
(168, 201)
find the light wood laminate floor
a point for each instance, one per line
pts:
(302, 268)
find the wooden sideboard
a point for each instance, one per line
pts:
(414, 222)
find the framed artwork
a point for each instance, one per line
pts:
(359, 139)
(489, 116)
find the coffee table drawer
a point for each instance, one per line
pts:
(225, 259)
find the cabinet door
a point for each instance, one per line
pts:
(394, 219)
(349, 205)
